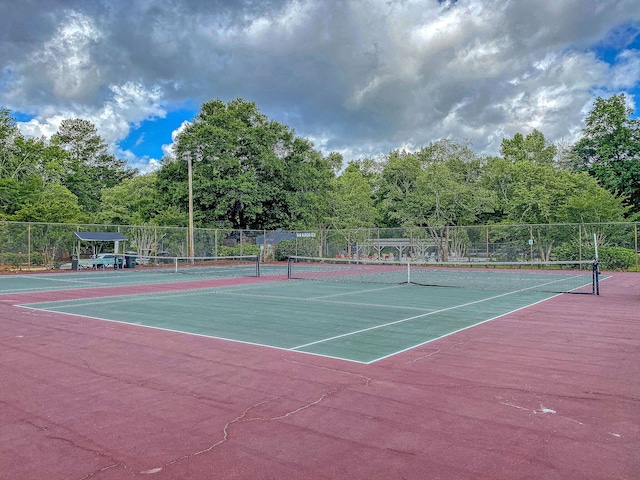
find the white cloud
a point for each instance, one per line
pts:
(142, 164)
(626, 72)
(168, 149)
(364, 76)
(66, 60)
(128, 105)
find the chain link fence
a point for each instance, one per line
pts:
(26, 246)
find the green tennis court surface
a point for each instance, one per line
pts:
(113, 278)
(357, 322)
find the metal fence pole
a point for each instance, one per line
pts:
(635, 234)
(29, 245)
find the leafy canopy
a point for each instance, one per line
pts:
(610, 149)
(248, 171)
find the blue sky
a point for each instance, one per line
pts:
(147, 139)
(361, 77)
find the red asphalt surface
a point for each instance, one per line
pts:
(548, 392)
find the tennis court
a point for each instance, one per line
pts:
(320, 372)
(168, 273)
(350, 321)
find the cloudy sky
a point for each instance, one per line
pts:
(361, 77)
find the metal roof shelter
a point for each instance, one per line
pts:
(100, 237)
(114, 237)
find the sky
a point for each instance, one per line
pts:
(359, 77)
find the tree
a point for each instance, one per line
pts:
(9, 133)
(397, 187)
(532, 148)
(351, 205)
(14, 194)
(437, 186)
(588, 202)
(248, 171)
(23, 166)
(610, 149)
(542, 194)
(89, 167)
(133, 202)
(55, 204)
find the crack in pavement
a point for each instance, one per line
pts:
(245, 412)
(74, 444)
(149, 387)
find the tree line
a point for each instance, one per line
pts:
(250, 172)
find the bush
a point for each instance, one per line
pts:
(246, 249)
(610, 258)
(287, 248)
(18, 259)
(36, 259)
(616, 258)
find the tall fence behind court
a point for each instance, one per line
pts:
(25, 245)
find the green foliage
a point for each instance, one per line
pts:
(248, 171)
(397, 185)
(244, 249)
(616, 258)
(588, 202)
(13, 259)
(609, 257)
(439, 185)
(610, 148)
(135, 201)
(288, 248)
(251, 172)
(55, 204)
(538, 193)
(351, 204)
(14, 194)
(17, 260)
(22, 167)
(532, 148)
(89, 167)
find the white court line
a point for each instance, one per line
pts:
(327, 298)
(109, 278)
(219, 290)
(112, 300)
(388, 287)
(462, 329)
(356, 332)
(57, 305)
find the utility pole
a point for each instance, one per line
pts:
(190, 169)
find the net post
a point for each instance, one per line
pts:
(408, 273)
(176, 264)
(289, 267)
(258, 266)
(596, 279)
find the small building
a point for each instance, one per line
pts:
(93, 238)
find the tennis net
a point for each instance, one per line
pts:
(216, 267)
(554, 277)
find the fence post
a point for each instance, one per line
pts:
(530, 243)
(29, 245)
(635, 235)
(486, 240)
(580, 242)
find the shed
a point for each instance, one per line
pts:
(95, 237)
